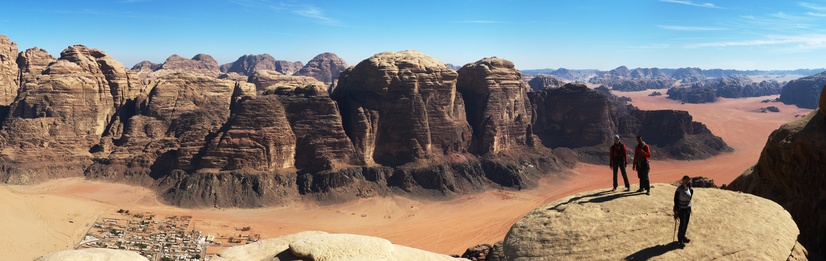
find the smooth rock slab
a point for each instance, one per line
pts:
(605, 225)
(93, 254)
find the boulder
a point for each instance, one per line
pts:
(497, 105)
(609, 225)
(325, 67)
(93, 254)
(9, 78)
(790, 171)
(402, 107)
(315, 245)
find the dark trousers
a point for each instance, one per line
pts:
(644, 183)
(624, 175)
(684, 214)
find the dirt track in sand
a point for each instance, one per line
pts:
(54, 215)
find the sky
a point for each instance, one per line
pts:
(533, 34)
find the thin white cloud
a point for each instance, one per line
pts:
(689, 28)
(685, 2)
(304, 10)
(792, 42)
(812, 6)
(816, 14)
(478, 22)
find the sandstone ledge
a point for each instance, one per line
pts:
(609, 225)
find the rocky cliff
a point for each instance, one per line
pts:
(804, 92)
(200, 63)
(575, 116)
(325, 67)
(639, 79)
(9, 72)
(607, 225)
(791, 172)
(542, 82)
(249, 64)
(732, 86)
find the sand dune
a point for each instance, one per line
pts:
(54, 215)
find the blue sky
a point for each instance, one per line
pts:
(574, 34)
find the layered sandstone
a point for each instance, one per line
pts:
(790, 171)
(402, 107)
(497, 105)
(265, 80)
(249, 64)
(57, 118)
(9, 78)
(542, 82)
(325, 67)
(200, 64)
(633, 226)
(572, 116)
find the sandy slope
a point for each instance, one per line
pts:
(54, 215)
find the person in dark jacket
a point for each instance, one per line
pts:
(682, 209)
(618, 160)
(641, 154)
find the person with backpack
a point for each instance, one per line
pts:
(682, 209)
(618, 159)
(641, 154)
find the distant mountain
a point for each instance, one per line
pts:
(249, 64)
(804, 92)
(732, 86)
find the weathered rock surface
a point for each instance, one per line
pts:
(402, 107)
(32, 63)
(316, 245)
(249, 64)
(200, 64)
(265, 80)
(485, 252)
(688, 75)
(93, 254)
(732, 86)
(805, 91)
(325, 67)
(543, 81)
(791, 172)
(9, 78)
(497, 105)
(577, 117)
(633, 226)
(623, 79)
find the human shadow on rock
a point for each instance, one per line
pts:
(653, 251)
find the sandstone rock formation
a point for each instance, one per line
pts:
(93, 254)
(623, 79)
(265, 80)
(497, 105)
(249, 64)
(688, 75)
(575, 116)
(9, 78)
(542, 82)
(732, 86)
(632, 226)
(804, 92)
(316, 245)
(200, 64)
(408, 85)
(325, 67)
(791, 172)
(485, 252)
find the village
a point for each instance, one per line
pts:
(159, 238)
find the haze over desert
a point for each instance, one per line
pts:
(54, 215)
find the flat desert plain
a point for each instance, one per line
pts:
(54, 215)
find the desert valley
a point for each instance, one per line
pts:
(400, 146)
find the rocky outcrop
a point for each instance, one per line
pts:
(402, 107)
(9, 72)
(317, 245)
(805, 91)
(64, 112)
(485, 252)
(96, 254)
(790, 171)
(542, 82)
(577, 117)
(732, 86)
(623, 79)
(200, 64)
(325, 67)
(270, 80)
(697, 93)
(584, 227)
(249, 64)
(688, 75)
(497, 105)
(146, 66)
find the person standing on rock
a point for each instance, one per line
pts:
(618, 159)
(682, 208)
(641, 165)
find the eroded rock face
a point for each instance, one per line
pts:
(497, 105)
(249, 64)
(9, 80)
(402, 107)
(200, 64)
(325, 67)
(63, 113)
(542, 82)
(805, 91)
(317, 245)
(584, 227)
(265, 80)
(572, 116)
(792, 163)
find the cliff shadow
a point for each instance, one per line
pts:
(651, 252)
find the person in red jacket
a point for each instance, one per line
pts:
(641, 154)
(618, 159)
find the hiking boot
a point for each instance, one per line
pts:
(648, 192)
(686, 240)
(640, 190)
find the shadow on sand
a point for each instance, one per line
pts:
(653, 251)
